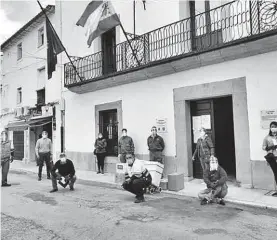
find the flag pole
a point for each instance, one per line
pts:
(47, 19)
(135, 56)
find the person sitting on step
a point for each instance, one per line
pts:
(215, 178)
(137, 178)
(65, 169)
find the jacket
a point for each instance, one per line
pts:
(100, 145)
(6, 150)
(126, 145)
(269, 145)
(204, 148)
(156, 143)
(212, 176)
(64, 169)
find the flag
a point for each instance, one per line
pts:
(54, 47)
(98, 17)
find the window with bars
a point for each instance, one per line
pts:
(19, 51)
(40, 99)
(19, 95)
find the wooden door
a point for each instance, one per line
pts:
(18, 142)
(109, 52)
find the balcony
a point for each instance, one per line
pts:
(230, 25)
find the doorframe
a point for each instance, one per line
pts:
(182, 97)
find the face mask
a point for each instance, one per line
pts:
(124, 134)
(274, 130)
(202, 134)
(44, 136)
(213, 166)
(100, 136)
(63, 160)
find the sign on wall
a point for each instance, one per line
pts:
(161, 125)
(267, 116)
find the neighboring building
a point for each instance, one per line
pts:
(29, 102)
(215, 68)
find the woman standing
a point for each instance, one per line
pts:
(270, 145)
(204, 149)
(100, 152)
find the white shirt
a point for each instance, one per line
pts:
(136, 169)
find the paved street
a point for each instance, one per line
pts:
(29, 211)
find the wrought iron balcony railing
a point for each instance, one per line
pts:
(210, 30)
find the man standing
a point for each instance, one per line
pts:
(65, 169)
(43, 152)
(215, 177)
(137, 178)
(7, 153)
(156, 146)
(125, 146)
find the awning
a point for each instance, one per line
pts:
(17, 126)
(37, 122)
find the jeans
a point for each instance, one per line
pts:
(44, 157)
(156, 156)
(57, 175)
(136, 186)
(100, 161)
(5, 164)
(272, 161)
(213, 194)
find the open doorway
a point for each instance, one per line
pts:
(108, 41)
(216, 115)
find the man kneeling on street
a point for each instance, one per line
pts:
(215, 177)
(137, 178)
(65, 169)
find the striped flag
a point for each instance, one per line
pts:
(98, 17)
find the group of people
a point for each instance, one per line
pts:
(137, 177)
(126, 146)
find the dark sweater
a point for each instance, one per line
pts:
(64, 169)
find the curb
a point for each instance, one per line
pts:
(167, 192)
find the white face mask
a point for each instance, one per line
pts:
(44, 136)
(273, 130)
(124, 134)
(213, 166)
(63, 160)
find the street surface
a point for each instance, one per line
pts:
(29, 212)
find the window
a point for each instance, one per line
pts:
(108, 126)
(40, 37)
(40, 99)
(19, 51)
(19, 95)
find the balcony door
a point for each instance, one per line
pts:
(109, 52)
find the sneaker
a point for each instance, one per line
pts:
(39, 178)
(139, 199)
(6, 185)
(204, 201)
(221, 202)
(71, 188)
(54, 190)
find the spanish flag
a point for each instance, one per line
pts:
(98, 17)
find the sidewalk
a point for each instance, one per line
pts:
(239, 195)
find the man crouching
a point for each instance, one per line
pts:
(137, 178)
(65, 169)
(215, 177)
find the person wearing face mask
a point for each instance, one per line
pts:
(270, 145)
(204, 149)
(100, 152)
(215, 178)
(137, 178)
(125, 146)
(7, 153)
(156, 146)
(43, 153)
(65, 169)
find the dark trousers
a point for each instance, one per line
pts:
(136, 186)
(100, 160)
(44, 157)
(5, 164)
(57, 175)
(156, 156)
(272, 161)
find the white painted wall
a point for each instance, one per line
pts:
(143, 102)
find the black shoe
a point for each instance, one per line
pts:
(221, 202)
(54, 190)
(274, 194)
(39, 178)
(204, 202)
(71, 188)
(102, 171)
(48, 177)
(6, 185)
(139, 199)
(98, 172)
